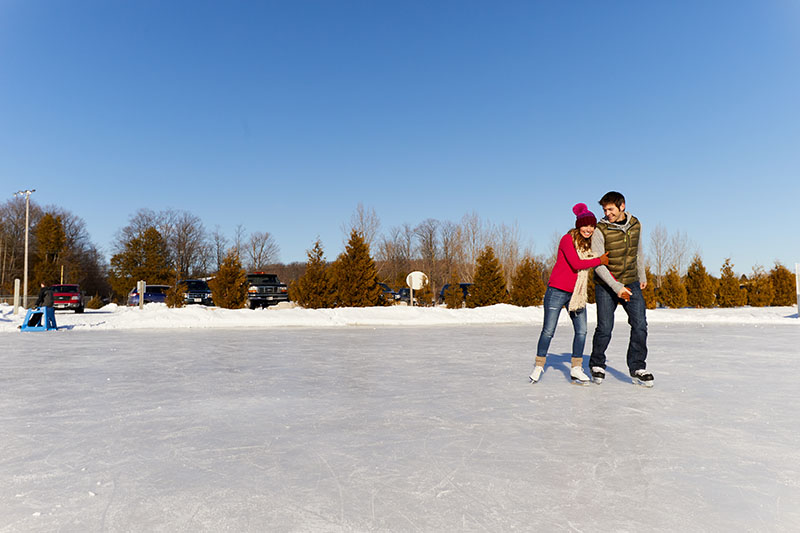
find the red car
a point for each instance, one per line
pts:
(68, 297)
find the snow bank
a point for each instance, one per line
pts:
(159, 316)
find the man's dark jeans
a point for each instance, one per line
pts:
(607, 302)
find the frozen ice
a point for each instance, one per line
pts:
(433, 426)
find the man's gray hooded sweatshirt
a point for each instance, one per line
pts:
(623, 243)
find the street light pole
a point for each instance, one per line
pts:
(27, 194)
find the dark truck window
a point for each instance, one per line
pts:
(196, 285)
(65, 288)
(262, 279)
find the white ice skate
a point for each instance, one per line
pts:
(578, 376)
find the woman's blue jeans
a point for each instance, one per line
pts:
(554, 301)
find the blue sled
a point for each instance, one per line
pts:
(40, 319)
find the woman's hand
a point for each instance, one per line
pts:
(604, 259)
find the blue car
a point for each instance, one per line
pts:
(152, 294)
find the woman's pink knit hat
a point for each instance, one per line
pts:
(584, 216)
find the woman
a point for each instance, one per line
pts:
(567, 286)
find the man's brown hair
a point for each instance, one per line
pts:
(612, 197)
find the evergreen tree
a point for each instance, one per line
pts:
(144, 257)
(527, 286)
(714, 287)
(730, 293)
(699, 288)
(424, 296)
(95, 302)
(229, 286)
(785, 285)
(453, 295)
(175, 295)
(760, 291)
(356, 278)
(673, 291)
(313, 290)
(50, 247)
(649, 292)
(489, 284)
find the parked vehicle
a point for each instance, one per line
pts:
(464, 289)
(197, 292)
(68, 296)
(404, 295)
(152, 294)
(388, 296)
(265, 289)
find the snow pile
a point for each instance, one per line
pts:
(153, 316)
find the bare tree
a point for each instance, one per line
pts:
(219, 246)
(365, 222)
(183, 231)
(389, 262)
(428, 246)
(140, 221)
(679, 251)
(474, 236)
(238, 240)
(75, 233)
(394, 253)
(12, 228)
(659, 252)
(187, 240)
(406, 243)
(549, 259)
(452, 247)
(262, 250)
(505, 241)
(80, 261)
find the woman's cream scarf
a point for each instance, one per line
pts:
(579, 293)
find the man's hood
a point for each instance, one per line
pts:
(614, 225)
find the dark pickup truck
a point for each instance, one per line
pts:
(197, 292)
(265, 289)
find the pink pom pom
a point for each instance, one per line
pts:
(579, 208)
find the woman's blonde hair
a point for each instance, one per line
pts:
(581, 243)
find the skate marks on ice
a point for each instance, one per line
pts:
(393, 429)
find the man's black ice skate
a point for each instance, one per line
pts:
(642, 377)
(598, 374)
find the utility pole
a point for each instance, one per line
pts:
(27, 194)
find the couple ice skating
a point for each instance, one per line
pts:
(613, 248)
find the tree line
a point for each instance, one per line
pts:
(59, 249)
(166, 246)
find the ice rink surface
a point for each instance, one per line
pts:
(396, 429)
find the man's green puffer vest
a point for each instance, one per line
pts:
(622, 247)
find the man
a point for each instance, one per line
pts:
(621, 282)
(46, 301)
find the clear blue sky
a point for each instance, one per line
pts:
(282, 116)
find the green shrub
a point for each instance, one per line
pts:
(229, 287)
(175, 296)
(95, 302)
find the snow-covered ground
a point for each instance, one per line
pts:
(286, 314)
(417, 420)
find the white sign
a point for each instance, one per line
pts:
(416, 280)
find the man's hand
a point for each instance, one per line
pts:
(625, 294)
(642, 284)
